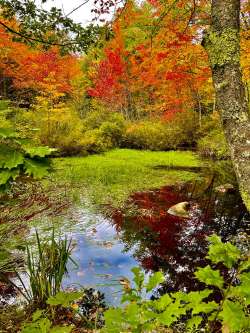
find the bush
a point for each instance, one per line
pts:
(186, 128)
(213, 143)
(180, 131)
(147, 135)
(58, 126)
(102, 131)
(94, 142)
(95, 118)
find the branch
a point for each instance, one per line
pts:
(34, 39)
(76, 8)
(191, 15)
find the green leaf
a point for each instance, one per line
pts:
(205, 307)
(7, 175)
(36, 315)
(30, 328)
(210, 276)
(44, 325)
(172, 313)
(243, 290)
(37, 169)
(162, 303)
(196, 297)
(226, 253)
(154, 281)
(233, 316)
(64, 298)
(40, 326)
(194, 322)
(133, 313)
(14, 159)
(245, 265)
(138, 277)
(9, 157)
(113, 320)
(39, 151)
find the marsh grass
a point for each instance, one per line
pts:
(111, 177)
(46, 267)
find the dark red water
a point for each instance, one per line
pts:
(174, 244)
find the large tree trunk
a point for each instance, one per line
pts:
(222, 43)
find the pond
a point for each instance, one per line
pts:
(145, 234)
(109, 241)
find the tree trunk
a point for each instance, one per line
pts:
(222, 43)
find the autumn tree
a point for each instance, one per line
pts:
(161, 74)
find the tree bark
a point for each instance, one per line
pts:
(222, 43)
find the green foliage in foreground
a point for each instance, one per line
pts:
(140, 314)
(42, 320)
(195, 311)
(42, 324)
(114, 175)
(18, 157)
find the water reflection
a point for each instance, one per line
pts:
(100, 256)
(178, 245)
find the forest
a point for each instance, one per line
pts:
(125, 166)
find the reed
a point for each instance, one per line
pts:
(46, 268)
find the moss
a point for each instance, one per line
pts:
(246, 198)
(223, 48)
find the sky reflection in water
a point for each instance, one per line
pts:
(108, 248)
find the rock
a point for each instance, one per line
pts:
(181, 209)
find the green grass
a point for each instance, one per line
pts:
(113, 176)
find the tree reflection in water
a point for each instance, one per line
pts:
(174, 244)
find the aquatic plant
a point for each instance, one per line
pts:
(46, 268)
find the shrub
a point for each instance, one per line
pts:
(179, 131)
(57, 125)
(212, 142)
(94, 142)
(95, 118)
(147, 135)
(185, 126)
(102, 131)
(112, 131)
(214, 145)
(5, 113)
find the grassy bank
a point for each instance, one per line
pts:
(111, 177)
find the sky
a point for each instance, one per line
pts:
(82, 15)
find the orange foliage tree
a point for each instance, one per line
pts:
(35, 69)
(163, 72)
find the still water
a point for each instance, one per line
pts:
(143, 233)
